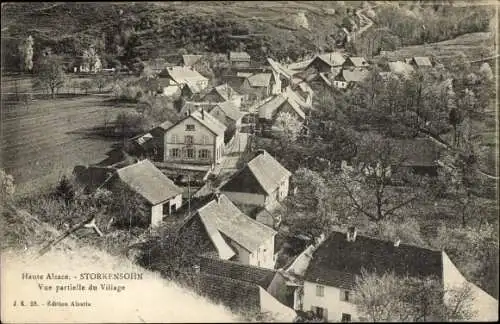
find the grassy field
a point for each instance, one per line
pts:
(47, 139)
(474, 46)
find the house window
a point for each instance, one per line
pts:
(190, 153)
(189, 127)
(345, 295)
(174, 139)
(204, 154)
(320, 290)
(346, 318)
(188, 139)
(205, 139)
(174, 153)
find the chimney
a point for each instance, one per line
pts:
(196, 268)
(217, 196)
(396, 243)
(260, 152)
(351, 234)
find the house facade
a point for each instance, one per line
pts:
(196, 139)
(239, 59)
(183, 79)
(232, 235)
(330, 277)
(262, 182)
(228, 114)
(159, 192)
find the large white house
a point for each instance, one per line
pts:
(329, 278)
(197, 139)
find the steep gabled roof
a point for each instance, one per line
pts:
(422, 61)
(239, 56)
(149, 182)
(225, 91)
(268, 108)
(358, 61)
(230, 109)
(260, 79)
(229, 269)
(183, 74)
(221, 214)
(190, 60)
(238, 295)
(354, 75)
(280, 69)
(204, 118)
(337, 262)
(263, 174)
(332, 58)
(234, 81)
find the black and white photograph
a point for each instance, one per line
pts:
(249, 161)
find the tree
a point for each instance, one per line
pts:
(389, 298)
(100, 82)
(367, 182)
(26, 51)
(51, 74)
(289, 125)
(91, 60)
(85, 86)
(8, 187)
(128, 209)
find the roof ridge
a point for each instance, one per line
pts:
(239, 264)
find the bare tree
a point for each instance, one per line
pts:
(389, 298)
(368, 182)
(51, 74)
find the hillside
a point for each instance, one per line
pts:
(150, 29)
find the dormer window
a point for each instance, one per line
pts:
(189, 128)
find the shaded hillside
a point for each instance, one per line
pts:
(125, 31)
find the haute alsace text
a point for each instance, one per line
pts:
(98, 282)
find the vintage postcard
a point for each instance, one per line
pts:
(241, 161)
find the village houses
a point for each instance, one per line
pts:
(239, 59)
(330, 268)
(262, 182)
(228, 114)
(184, 79)
(198, 139)
(244, 287)
(225, 232)
(223, 93)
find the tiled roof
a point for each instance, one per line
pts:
(225, 91)
(206, 120)
(229, 269)
(234, 81)
(238, 295)
(223, 215)
(260, 79)
(230, 110)
(268, 108)
(149, 182)
(190, 60)
(279, 68)
(337, 262)
(194, 87)
(333, 58)
(298, 65)
(358, 61)
(183, 74)
(165, 125)
(422, 61)
(296, 107)
(194, 106)
(262, 172)
(239, 56)
(354, 75)
(400, 67)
